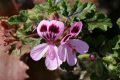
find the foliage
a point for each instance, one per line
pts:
(118, 22)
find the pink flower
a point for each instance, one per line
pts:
(50, 31)
(69, 46)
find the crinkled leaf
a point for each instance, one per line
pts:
(28, 26)
(75, 7)
(35, 13)
(32, 41)
(117, 70)
(52, 7)
(117, 41)
(99, 21)
(118, 22)
(86, 8)
(79, 9)
(27, 40)
(64, 8)
(17, 19)
(109, 59)
(102, 24)
(21, 34)
(110, 45)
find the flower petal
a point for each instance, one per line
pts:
(43, 27)
(39, 51)
(76, 28)
(50, 29)
(71, 57)
(52, 63)
(56, 27)
(79, 45)
(62, 52)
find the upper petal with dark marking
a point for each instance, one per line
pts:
(76, 28)
(56, 28)
(43, 27)
(50, 29)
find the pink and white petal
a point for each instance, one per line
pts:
(51, 64)
(79, 45)
(39, 51)
(62, 52)
(71, 57)
(59, 62)
(43, 27)
(76, 28)
(54, 62)
(51, 52)
(60, 26)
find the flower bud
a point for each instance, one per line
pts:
(92, 57)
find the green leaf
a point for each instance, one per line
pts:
(52, 7)
(109, 59)
(112, 44)
(99, 21)
(50, 2)
(17, 19)
(75, 7)
(111, 67)
(32, 41)
(64, 8)
(24, 14)
(118, 22)
(118, 70)
(21, 34)
(100, 24)
(95, 43)
(35, 14)
(98, 69)
(27, 40)
(14, 20)
(116, 40)
(28, 26)
(86, 8)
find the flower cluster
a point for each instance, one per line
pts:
(56, 54)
